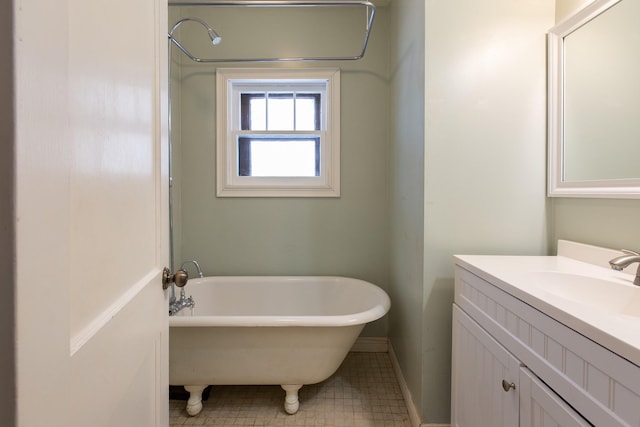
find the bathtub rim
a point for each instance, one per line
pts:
(375, 312)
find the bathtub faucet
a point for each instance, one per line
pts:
(194, 262)
(176, 305)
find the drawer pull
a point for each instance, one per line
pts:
(507, 386)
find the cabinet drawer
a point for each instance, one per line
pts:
(599, 384)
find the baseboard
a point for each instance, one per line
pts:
(411, 408)
(382, 345)
(371, 345)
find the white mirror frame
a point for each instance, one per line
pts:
(557, 187)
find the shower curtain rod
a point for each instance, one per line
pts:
(370, 11)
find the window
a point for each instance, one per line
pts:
(278, 133)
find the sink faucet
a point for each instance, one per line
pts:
(623, 261)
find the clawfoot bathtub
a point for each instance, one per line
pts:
(289, 331)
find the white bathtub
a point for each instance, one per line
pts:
(289, 331)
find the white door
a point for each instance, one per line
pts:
(91, 212)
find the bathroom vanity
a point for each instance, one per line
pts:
(545, 341)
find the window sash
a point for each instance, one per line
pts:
(244, 148)
(246, 110)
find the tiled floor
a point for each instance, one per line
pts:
(363, 392)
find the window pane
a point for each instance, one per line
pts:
(258, 115)
(280, 111)
(306, 113)
(279, 157)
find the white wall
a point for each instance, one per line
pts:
(468, 176)
(564, 8)
(485, 138)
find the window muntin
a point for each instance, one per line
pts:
(278, 133)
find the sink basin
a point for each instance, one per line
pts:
(615, 296)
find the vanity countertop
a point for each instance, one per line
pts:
(598, 302)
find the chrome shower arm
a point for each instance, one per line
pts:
(370, 14)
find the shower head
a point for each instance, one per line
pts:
(215, 37)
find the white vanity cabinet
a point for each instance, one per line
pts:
(491, 388)
(512, 365)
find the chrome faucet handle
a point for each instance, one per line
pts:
(629, 252)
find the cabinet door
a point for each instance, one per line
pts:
(479, 367)
(541, 407)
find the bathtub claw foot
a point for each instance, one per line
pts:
(291, 402)
(194, 404)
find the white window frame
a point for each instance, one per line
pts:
(229, 82)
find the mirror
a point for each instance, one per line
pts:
(594, 102)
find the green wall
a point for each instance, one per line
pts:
(602, 222)
(406, 185)
(347, 236)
